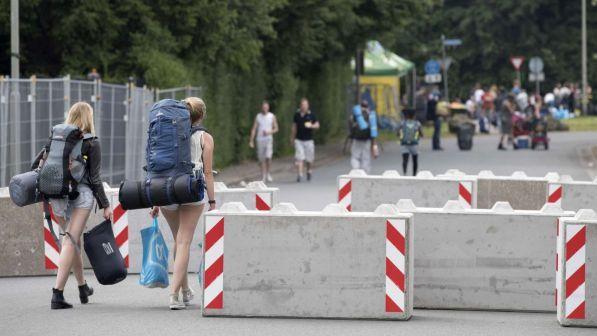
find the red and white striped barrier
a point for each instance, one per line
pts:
(120, 228)
(554, 193)
(345, 193)
(576, 278)
(263, 201)
(278, 262)
(395, 264)
(213, 292)
(465, 194)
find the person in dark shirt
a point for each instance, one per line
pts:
(302, 138)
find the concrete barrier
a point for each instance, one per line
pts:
(521, 191)
(576, 270)
(488, 259)
(358, 191)
(289, 263)
(255, 196)
(572, 195)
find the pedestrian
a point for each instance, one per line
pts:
(437, 121)
(363, 132)
(182, 218)
(264, 127)
(72, 214)
(506, 122)
(409, 133)
(94, 75)
(303, 125)
(478, 94)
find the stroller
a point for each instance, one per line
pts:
(521, 131)
(539, 133)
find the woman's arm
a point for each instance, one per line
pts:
(94, 166)
(208, 155)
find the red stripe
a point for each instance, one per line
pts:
(578, 313)
(394, 274)
(217, 302)
(214, 271)
(464, 193)
(118, 212)
(214, 234)
(344, 190)
(555, 196)
(50, 239)
(260, 204)
(50, 265)
(395, 237)
(122, 237)
(577, 279)
(391, 306)
(576, 243)
(126, 261)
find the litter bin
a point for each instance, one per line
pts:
(464, 134)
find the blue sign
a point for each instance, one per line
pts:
(452, 42)
(432, 67)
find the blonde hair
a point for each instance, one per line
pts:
(81, 115)
(197, 108)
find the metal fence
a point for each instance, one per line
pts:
(30, 107)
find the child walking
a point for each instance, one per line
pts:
(409, 132)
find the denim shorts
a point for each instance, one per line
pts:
(62, 207)
(174, 207)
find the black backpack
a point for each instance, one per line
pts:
(104, 255)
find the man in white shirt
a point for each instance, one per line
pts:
(264, 127)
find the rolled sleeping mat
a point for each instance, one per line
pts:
(160, 191)
(23, 188)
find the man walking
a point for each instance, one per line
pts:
(302, 138)
(437, 121)
(264, 126)
(363, 132)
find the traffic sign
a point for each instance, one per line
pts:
(452, 42)
(516, 61)
(536, 65)
(447, 62)
(432, 67)
(536, 77)
(433, 78)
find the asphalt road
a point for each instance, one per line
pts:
(129, 309)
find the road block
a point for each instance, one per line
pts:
(358, 191)
(570, 194)
(577, 264)
(521, 191)
(486, 259)
(289, 263)
(256, 196)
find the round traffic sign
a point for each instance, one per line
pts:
(432, 67)
(536, 64)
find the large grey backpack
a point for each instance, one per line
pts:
(64, 166)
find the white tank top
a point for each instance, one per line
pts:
(264, 123)
(197, 150)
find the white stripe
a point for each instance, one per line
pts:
(465, 204)
(342, 182)
(215, 252)
(395, 256)
(576, 262)
(213, 290)
(120, 225)
(124, 249)
(572, 230)
(553, 188)
(575, 299)
(346, 201)
(399, 225)
(266, 197)
(395, 293)
(51, 253)
(210, 222)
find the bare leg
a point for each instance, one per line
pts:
(263, 169)
(268, 164)
(78, 262)
(173, 219)
(299, 165)
(308, 164)
(68, 254)
(189, 216)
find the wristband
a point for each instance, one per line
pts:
(211, 202)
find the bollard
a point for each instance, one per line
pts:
(576, 273)
(484, 259)
(308, 264)
(358, 191)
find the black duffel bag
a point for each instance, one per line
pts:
(23, 188)
(104, 255)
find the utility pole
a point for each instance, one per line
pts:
(446, 94)
(14, 38)
(585, 84)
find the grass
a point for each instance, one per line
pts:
(587, 123)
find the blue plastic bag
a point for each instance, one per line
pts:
(154, 271)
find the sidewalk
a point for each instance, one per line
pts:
(250, 171)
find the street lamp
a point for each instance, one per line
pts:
(14, 38)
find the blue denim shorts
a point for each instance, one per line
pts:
(62, 207)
